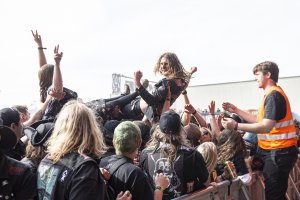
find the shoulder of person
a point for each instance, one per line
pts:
(15, 167)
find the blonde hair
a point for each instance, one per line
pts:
(208, 151)
(76, 129)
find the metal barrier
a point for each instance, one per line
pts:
(237, 190)
(220, 191)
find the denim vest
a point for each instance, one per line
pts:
(49, 174)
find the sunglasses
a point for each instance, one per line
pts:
(204, 133)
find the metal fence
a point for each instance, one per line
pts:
(236, 190)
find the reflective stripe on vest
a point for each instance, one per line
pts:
(280, 136)
(283, 134)
(283, 124)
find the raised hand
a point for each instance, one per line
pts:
(162, 181)
(189, 108)
(137, 76)
(37, 38)
(57, 55)
(212, 107)
(193, 70)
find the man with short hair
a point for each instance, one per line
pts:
(23, 110)
(16, 179)
(275, 130)
(127, 140)
(11, 118)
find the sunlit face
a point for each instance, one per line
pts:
(205, 136)
(261, 79)
(164, 66)
(24, 116)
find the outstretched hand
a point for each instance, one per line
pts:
(229, 107)
(57, 55)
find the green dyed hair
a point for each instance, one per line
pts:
(127, 137)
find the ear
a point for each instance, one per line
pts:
(268, 74)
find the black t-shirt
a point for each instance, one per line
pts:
(55, 105)
(239, 164)
(83, 182)
(18, 152)
(16, 179)
(188, 167)
(275, 106)
(129, 177)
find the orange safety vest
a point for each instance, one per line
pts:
(283, 134)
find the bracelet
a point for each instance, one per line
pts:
(236, 126)
(158, 187)
(41, 48)
(168, 99)
(193, 113)
(184, 92)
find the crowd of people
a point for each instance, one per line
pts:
(134, 146)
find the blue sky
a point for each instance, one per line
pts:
(224, 39)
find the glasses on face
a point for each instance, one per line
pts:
(204, 133)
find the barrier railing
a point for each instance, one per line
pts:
(237, 190)
(225, 190)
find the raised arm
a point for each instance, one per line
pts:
(189, 109)
(167, 103)
(38, 39)
(57, 82)
(213, 121)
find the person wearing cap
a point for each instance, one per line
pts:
(274, 128)
(168, 152)
(11, 118)
(108, 134)
(17, 181)
(37, 134)
(127, 140)
(70, 170)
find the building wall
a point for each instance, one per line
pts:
(245, 94)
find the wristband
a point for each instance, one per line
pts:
(184, 92)
(41, 48)
(168, 99)
(158, 187)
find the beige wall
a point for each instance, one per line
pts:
(245, 94)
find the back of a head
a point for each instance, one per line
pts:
(193, 134)
(208, 151)
(108, 131)
(170, 123)
(266, 67)
(76, 129)
(46, 75)
(127, 137)
(9, 116)
(145, 132)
